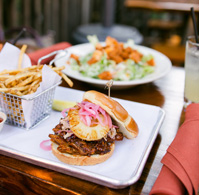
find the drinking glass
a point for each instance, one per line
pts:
(191, 90)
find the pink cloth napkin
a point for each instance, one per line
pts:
(180, 171)
(34, 56)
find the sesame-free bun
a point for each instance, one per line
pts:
(81, 160)
(126, 123)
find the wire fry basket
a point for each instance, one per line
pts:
(11, 105)
(40, 106)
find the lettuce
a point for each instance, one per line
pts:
(93, 39)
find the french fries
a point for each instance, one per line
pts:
(23, 81)
(23, 50)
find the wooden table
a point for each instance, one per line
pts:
(163, 5)
(18, 177)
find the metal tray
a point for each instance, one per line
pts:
(122, 169)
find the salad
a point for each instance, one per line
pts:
(114, 60)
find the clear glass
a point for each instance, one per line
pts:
(191, 91)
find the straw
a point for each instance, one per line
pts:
(194, 24)
(23, 50)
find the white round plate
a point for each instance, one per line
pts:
(163, 66)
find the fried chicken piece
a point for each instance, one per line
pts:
(120, 48)
(75, 57)
(128, 50)
(125, 55)
(136, 56)
(114, 56)
(97, 54)
(110, 41)
(98, 46)
(151, 62)
(106, 75)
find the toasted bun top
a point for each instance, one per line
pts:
(126, 123)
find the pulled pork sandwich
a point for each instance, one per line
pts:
(87, 135)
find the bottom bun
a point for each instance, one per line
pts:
(81, 160)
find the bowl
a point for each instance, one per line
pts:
(3, 118)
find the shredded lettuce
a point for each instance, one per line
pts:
(130, 43)
(93, 39)
(146, 58)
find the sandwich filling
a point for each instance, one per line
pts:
(91, 115)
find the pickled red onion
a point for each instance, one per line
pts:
(89, 111)
(44, 146)
(63, 112)
(88, 120)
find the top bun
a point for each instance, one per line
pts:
(126, 123)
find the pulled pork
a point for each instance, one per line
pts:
(74, 145)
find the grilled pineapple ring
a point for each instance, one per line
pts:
(83, 131)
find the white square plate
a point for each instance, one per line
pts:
(123, 168)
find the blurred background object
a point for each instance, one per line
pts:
(160, 24)
(107, 27)
(167, 24)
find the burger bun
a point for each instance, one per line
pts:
(120, 116)
(81, 160)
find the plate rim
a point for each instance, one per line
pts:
(147, 79)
